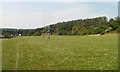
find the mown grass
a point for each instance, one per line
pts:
(0, 55)
(61, 53)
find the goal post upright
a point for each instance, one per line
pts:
(43, 34)
(49, 24)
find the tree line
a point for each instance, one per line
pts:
(89, 26)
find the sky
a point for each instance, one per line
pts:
(59, 0)
(33, 15)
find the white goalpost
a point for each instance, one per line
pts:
(46, 29)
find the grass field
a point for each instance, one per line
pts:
(0, 55)
(60, 53)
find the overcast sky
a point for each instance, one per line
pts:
(39, 14)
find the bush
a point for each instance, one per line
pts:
(6, 35)
(37, 34)
(102, 33)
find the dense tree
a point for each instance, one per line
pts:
(98, 25)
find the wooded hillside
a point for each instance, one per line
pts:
(98, 25)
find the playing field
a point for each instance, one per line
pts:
(0, 55)
(60, 53)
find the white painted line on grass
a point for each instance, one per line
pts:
(17, 56)
(0, 55)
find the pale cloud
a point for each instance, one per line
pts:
(69, 14)
(83, 11)
(0, 14)
(75, 13)
(28, 20)
(59, 0)
(35, 19)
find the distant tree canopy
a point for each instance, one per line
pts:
(98, 25)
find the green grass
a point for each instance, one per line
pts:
(0, 55)
(61, 53)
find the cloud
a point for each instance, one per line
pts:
(82, 11)
(67, 14)
(34, 17)
(27, 20)
(59, 0)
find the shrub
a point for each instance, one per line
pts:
(6, 35)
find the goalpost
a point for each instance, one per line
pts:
(46, 29)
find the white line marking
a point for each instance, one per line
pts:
(17, 56)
